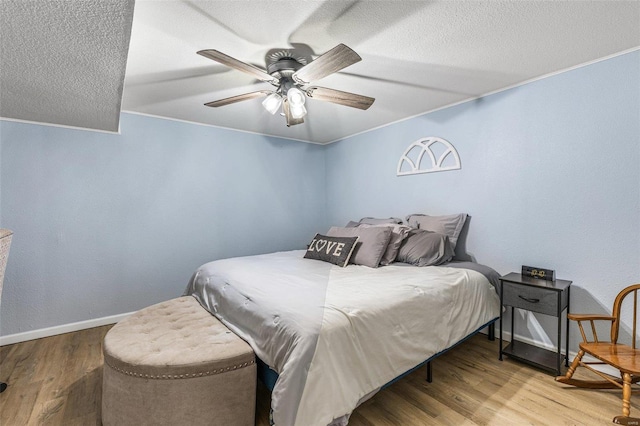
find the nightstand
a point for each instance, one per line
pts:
(544, 297)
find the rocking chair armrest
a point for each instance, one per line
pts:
(590, 317)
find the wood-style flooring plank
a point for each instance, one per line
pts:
(58, 381)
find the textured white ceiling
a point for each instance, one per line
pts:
(63, 62)
(417, 55)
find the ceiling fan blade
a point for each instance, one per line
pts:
(339, 97)
(291, 121)
(334, 60)
(239, 65)
(239, 98)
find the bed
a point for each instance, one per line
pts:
(337, 335)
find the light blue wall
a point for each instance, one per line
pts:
(550, 176)
(106, 224)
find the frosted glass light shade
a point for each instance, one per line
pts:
(272, 103)
(298, 111)
(296, 97)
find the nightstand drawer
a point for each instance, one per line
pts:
(535, 299)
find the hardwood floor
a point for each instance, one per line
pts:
(57, 381)
(53, 381)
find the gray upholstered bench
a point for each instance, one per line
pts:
(175, 364)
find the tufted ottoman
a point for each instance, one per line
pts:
(175, 364)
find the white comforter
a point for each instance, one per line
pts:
(337, 334)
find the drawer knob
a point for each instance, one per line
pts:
(529, 299)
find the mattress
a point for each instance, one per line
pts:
(336, 335)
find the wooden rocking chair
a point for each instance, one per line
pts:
(622, 357)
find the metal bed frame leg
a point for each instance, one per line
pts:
(491, 336)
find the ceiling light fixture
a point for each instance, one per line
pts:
(296, 100)
(272, 103)
(296, 97)
(298, 111)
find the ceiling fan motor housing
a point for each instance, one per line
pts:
(283, 69)
(284, 64)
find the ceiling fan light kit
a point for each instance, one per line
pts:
(289, 75)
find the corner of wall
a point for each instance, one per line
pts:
(325, 186)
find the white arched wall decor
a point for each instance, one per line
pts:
(411, 163)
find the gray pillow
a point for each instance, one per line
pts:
(371, 245)
(424, 248)
(398, 234)
(377, 221)
(334, 250)
(450, 225)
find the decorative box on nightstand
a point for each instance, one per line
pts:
(544, 297)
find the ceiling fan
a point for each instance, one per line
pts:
(291, 75)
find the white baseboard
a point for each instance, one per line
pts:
(10, 339)
(60, 329)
